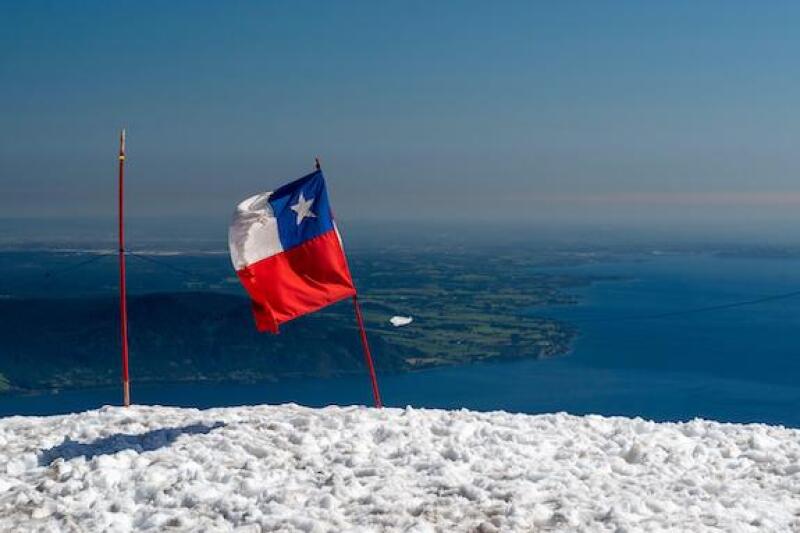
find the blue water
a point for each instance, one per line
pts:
(738, 365)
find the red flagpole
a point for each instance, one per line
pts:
(123, 304)
(376, 393)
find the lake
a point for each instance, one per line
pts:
(738, 364)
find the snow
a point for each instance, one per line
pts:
(398, 321)
(291, 468)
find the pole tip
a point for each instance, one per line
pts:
(317, 166)
(122, 141)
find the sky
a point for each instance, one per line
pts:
(661, 113)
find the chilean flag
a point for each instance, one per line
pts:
(287, 252)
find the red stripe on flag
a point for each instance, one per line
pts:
(298, 281)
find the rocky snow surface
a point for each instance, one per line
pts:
(291, 468)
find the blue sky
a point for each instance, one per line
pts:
(424, 110)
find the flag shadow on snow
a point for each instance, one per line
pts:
(143, 442)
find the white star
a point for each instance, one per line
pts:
(303, 208)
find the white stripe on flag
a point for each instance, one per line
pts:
(253, 233)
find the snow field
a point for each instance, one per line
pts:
(291, 468)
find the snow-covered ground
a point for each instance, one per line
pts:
(290, 468)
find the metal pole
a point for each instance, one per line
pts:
(376, 394)
(123, 305)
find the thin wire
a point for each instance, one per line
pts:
(182, 271)
(164, 264)
(696, 310)
(53, 273)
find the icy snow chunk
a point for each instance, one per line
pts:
(15, 468)
(634, 455)
(761, 442)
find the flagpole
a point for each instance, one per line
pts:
(123, 304)
(376, 393)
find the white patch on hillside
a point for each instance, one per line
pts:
(290, 468)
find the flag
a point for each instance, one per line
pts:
(287, 252)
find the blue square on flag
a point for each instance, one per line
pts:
(302, 210)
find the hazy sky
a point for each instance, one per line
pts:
(441, 110)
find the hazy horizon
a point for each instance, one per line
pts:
(206, 233)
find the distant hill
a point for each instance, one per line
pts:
(186, 336)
